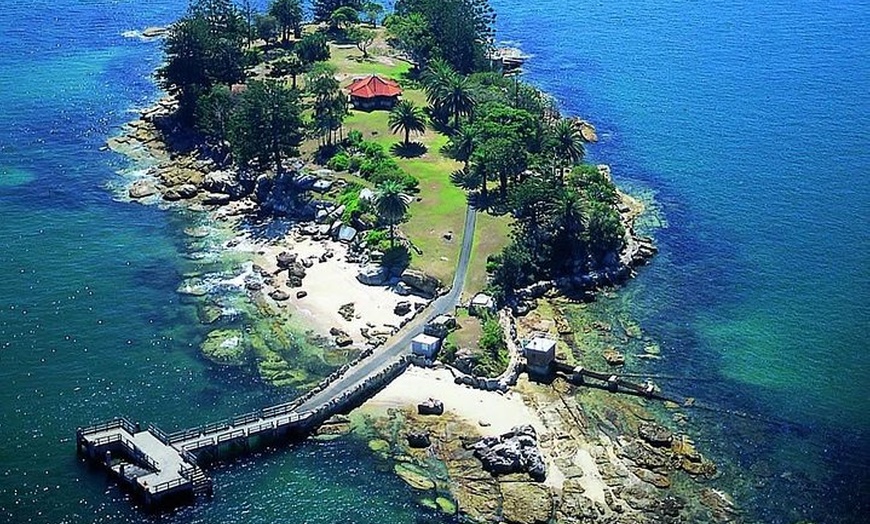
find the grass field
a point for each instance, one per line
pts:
(436, 216)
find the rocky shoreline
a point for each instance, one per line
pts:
(593, 458)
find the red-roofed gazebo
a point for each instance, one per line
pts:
(374, 92)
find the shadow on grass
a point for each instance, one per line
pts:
(408, 150)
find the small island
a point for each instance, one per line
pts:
(372, 175)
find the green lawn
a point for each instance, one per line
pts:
(491, 236)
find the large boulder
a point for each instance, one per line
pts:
(223, 182)
(656, 435)
(431, 407)
(182, 192)
(372, 275)
(514, 452)
(421, 282)
(419, 440)
(142, 188)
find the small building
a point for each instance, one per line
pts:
(440, 326)
(425, 346)
(374, 92)
(480, 304)
(540, 354)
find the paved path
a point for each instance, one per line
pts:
(399, 343)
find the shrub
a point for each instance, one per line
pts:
(354, 138)
(340, 162)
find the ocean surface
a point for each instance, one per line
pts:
(747, 121)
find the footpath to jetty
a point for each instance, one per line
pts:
(165, 470)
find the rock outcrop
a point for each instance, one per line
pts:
(421, 282)
(514, 452)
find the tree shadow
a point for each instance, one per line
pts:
(408, 150)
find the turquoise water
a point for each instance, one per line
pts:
(749, 123)
(90, 324)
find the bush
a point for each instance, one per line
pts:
(353, 206)
(340, 162)
(354, 164)
(354, 138)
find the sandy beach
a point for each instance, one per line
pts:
(329, 283)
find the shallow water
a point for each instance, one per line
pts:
(748, 122)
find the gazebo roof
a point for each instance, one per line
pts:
(374, 86)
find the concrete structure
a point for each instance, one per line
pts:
(540, 354)
(440, 326)
(374, 92)
(425, 345)
(481, 303)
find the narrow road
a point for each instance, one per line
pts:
(400, 343)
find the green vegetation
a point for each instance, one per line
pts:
(492, 359)
(406, 118)
(457, 31)
(550, 216)
(391, 206)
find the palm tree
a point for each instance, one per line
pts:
(391, 205)
(407, 117)
(462, 145)
(437, 76)
(567, 144)
(456, 97)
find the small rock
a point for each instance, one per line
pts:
(419, 440)
(402, 308)
(142, 189)
(613, 357)
(431, 407)
(301, 294)
(279, 295)
(656, 435)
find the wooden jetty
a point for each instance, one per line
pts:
(164, 470)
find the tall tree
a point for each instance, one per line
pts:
(567, 145)
(410, 34)
(330, 103)
(456, 97)
(214, 111)
(461, 30)
(267, 27)
(323, 9)
(406, 117)
(289, 16)
(372, 12)
(204, 48)
(312, 48)
(461, 145)
(361, 38)
(267, 125)
(391, 205)
(290, 65)
(343, 17)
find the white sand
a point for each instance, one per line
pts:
(498, 412)
(330, 285)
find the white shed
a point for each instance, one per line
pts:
(540, 353)
(425, 345)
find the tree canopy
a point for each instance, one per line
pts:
(204, 48)
(266, 127)
(459, 31)
(288, 13)
(323, 9)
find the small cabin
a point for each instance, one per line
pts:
(374, 92)
(425, 346)
(540, 354)
(481, 304)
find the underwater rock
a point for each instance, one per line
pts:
(225, 346)
(414, 476)
(655, 434)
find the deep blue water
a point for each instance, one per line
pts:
(747, 120)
